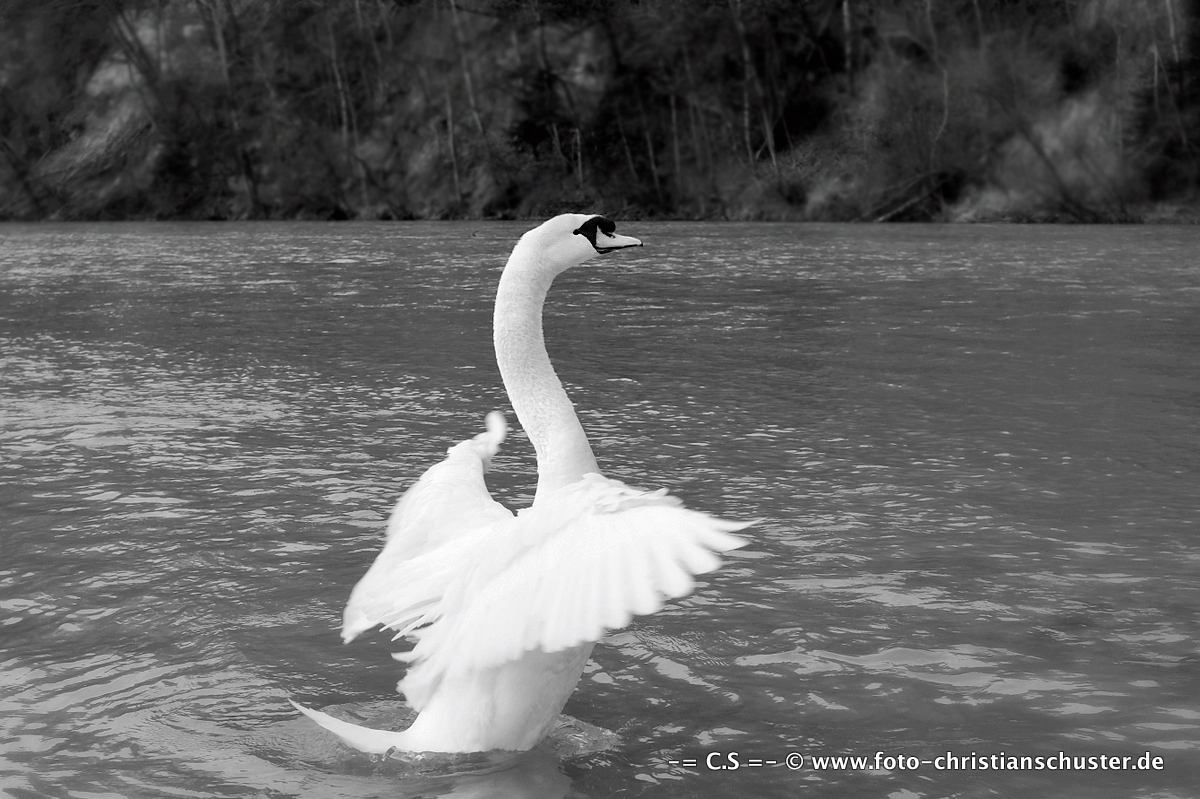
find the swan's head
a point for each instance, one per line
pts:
(568, 240)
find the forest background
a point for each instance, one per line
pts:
(1016, 110)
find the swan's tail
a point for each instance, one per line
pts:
(364, 739)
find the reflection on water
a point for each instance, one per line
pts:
(974, 451)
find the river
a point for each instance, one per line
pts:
(974, 451)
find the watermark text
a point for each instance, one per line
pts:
(947, 761)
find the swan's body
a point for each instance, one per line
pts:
(505, 609)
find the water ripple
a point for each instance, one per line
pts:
(975, 466)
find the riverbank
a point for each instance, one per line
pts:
(834, 111)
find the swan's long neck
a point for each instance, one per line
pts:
(537, 395)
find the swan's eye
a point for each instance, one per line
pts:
(588, 229)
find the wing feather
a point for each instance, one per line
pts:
(428, 536)
(586, 560)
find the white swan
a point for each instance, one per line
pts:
(505, 609)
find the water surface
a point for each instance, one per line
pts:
(975, 452)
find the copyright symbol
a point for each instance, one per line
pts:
(794, 761)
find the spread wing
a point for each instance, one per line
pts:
(586, 560)
(447, 504)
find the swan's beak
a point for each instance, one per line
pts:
(606, 243)
(601, 233)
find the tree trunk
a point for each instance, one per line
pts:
(848, 43)
(458, 195)
(460, 40)
(218, 16)
(752, 90)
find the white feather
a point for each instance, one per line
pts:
(503, 610)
